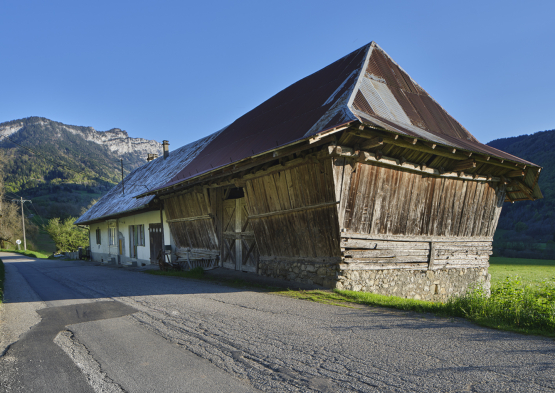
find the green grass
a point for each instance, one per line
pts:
(2, 276)
(532, 271)
(29, 253)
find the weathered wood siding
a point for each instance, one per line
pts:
(392, 219)
(381, 200)
(191, 220)
(293, 211)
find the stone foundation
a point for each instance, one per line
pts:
(302, 270)
(433, 285)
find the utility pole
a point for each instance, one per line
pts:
(122, 185)
(23, 219)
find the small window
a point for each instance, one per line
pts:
(141, 235)
(97, 235)
(112, 236)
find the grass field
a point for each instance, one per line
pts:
(530, 271)
(29, 253)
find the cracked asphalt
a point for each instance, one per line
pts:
(171, 334)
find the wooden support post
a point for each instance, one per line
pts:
(432, 255)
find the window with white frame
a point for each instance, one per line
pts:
(112, 236)
(97, 235)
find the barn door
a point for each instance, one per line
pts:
(239, 246)
(155, 236)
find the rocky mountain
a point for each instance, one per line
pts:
(64, 167)
(527, 229)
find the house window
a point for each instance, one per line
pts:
(97, 235)
(141, 231)
(112, 236)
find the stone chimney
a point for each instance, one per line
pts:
(166, 146)
(151, 156)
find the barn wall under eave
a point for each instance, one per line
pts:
(293, 213)
(409, 235)
(191, 220)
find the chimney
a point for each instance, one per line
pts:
(151, 156)
(166, 146)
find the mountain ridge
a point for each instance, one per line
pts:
(41, 157)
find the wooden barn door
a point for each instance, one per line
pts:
(155, 235)
(239, 246)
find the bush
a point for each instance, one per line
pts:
(66, 236)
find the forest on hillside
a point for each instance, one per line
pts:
(526, 229)
(60, 171)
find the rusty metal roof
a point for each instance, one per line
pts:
(366, 86)
(151, 175)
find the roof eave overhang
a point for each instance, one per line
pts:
(237, 166)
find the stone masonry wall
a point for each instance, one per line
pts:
(302, 270)
(433, 285)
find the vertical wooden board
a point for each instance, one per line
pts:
(259, 193)
(291, 192)
(338, 166)
(351, 194)
(435, 218)
(467, 207)
(296, 201)
(358, 197)
(317, 190)
(414, 204)
(446, 203)
(498, 191)
(254, 199)
(450, 207)
(458, 208)
(501, 198)
(405, 203)
(428, 187)
(476, 201)
(379, 194)
(366, 202)
(298, 182)
(419, 200)
(396, 203)
(271, 193)
(345, 187)
(481, 206)
(281, 186)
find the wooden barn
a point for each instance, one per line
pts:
(354, 178)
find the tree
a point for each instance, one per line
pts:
(66, 236)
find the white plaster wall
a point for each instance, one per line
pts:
(143, 252)
(103, 247)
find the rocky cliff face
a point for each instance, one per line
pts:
(116, 140)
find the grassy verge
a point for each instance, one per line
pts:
(2, 276)
(532, 271)
(32, 254)
(514, 305)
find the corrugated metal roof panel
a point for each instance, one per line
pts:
(147, 177)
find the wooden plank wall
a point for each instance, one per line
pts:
(308, 225)
(198, 229)
(381, 200)
(392, 219)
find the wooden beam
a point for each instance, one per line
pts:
(298, 209)
(515, 174)
(374, 142)
(465, 164)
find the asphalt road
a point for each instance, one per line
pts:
(80, 327)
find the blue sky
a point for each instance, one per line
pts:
(180, 70)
